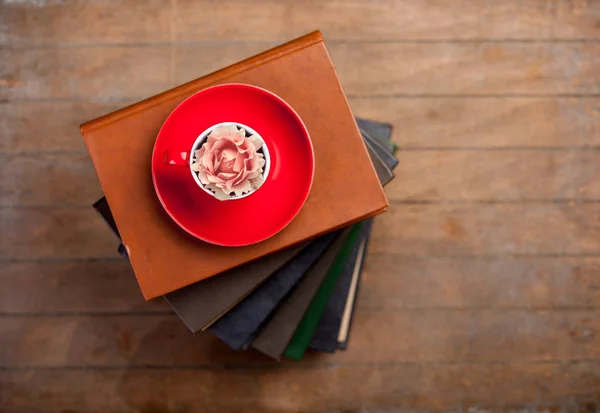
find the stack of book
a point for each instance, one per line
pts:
(294, 290)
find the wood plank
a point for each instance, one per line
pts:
(108, 341)
(54, 233)
(425, 176)
(380, 336)
(76, 22)
(393, 281)
(424, 387)
(418, 122)
(97, 72)
(511, 175)
(106, 72)
(21, 132)
(390, 19)
(111, 72)
(85, 22)
(488, 229)
(73, 287)
(486, 121)
(502, 335)
(39, 178)
(390, 281)
(414, 230)
(475, 68)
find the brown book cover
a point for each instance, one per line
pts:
(204, 302)
(162, 255)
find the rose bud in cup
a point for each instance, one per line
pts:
(229, 163)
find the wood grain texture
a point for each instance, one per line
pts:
(54, 233)
(540, 175)
(396, 281)
(452, 122)
(385, 69)
(73, 286)
(66, 179)
(488, 229)
(357, 20)
(59, 130)
(481, 289)
(510, 175)
(474, 68)
(84, 22)
(96, 72)
(387, 336)
(431, 387)
(390, 281)
(487, 122)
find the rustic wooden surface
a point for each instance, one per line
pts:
(481, 291)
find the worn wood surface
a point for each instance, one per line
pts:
(365, 69)
(481, 291)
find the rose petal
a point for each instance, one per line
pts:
(220, 188)
(229, 154)
(210, 178)
(242, 188)
(219, 132)
(239, 162)
(221, 195)
(206, 160)
(217, 162)
(203, 177)
(256, 142)
(257, 182)
(242, 176)
(261, 162)
(239, 177)
(206, 146)
(225, 176)
(212, 162)
(219, 145)
(254, 174)
(254, 164)
(246, 147)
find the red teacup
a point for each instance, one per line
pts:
(249, 219)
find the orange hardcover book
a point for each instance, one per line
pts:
(345, 188)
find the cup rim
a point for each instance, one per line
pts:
(203, 136)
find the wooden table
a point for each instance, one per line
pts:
(482, 284)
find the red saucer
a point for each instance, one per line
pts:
(265, 212)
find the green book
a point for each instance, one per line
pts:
(303, 334)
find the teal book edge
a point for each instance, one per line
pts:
(303, 334)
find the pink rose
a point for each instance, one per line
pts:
(228, 162)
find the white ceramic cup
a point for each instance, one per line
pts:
(188, 158)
